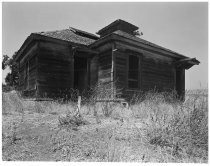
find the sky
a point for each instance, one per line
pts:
(178, 26)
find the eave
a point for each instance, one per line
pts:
(141, 45)
(187, 63)
(38, 37)
(115, 37)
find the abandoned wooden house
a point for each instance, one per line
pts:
(54, 61)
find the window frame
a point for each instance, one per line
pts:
(128, 70)
(26, 75)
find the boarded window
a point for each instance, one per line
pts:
(133, 71)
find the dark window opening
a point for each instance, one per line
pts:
(133, 71)
(80, 73)
(26, 75)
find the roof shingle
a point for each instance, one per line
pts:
(71, 35)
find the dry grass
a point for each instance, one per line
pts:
(179, 128)
(157, 129)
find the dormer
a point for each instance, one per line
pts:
(118, 25)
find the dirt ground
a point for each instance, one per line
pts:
(31, 131)
(33, 134)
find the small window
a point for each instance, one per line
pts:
(133, 71)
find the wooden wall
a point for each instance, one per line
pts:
(104, 67)
(120, 71)
(51, 69)
(155, 72)
(27, 73)
(55, 68)
(180, 85)
(94, 71)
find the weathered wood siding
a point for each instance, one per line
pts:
(27, 73)
(156, 74)
(120, 71)
(94, 71)
(32, 73)
(155, 71)
(55, 68)
(104, 67)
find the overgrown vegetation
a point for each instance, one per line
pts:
(180, 128)
(156, 127)
(12, 77)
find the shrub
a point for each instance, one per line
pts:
(72, 120)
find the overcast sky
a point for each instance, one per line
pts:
(181, 27)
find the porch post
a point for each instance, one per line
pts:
(88, 72)
(112, 72)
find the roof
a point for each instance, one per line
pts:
(71, 35)
(116, 23)
(132, 37)
(84, 33)
(187, 63)
(67, 35)
(83, 38)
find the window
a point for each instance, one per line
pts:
(26, 74)
(133, 71)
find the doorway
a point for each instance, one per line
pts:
(81, 74)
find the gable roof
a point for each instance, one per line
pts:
(71, 35)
